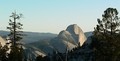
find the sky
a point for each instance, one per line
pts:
(55, 15)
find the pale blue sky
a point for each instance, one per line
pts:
(55, 15)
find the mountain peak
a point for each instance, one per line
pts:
(74, 28)
(77, 33)
(69, 38)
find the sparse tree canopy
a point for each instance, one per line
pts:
(110, 21)
(15, 28)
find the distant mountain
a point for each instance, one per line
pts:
(69, 38)
(66, 38)
(31, 37)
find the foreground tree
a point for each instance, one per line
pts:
(106, 38)
(3, 53)
(15, 37)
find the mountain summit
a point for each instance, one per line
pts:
(77, 33)
(69, 38)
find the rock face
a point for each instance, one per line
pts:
(2, 41)
(68, 39)
(77, 34)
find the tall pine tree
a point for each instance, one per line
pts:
(15, 37)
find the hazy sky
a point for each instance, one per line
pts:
(55, 15)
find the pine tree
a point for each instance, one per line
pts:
(15, 37)
(106, 36)
(110, 22)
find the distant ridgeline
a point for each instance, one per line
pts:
(31, 37)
